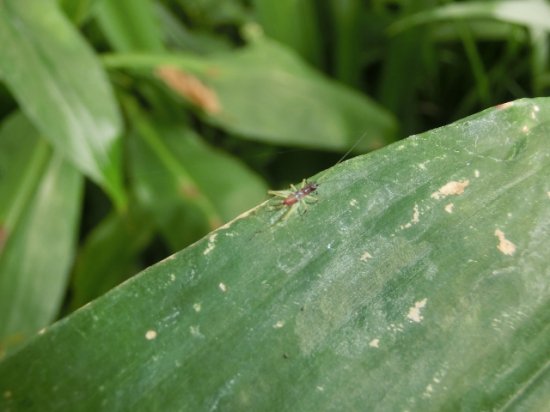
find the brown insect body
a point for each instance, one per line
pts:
(297, 198)
(299, 194)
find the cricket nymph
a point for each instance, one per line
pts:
(299, 194)
(296, 199)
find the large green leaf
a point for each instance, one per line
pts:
(77, 10)
(417, 281)
(295, 24)
(61, 87)
(39, 207)
(531, 13)
(265, 92)
(130, 25)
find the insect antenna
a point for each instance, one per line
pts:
(351, 149)
(345, 154)
(297, 198)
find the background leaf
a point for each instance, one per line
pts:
(417, 281)
(533, 13)
(61, 87)
(141, 31)
(263, 83)
(110, 255)
(295, 24)
(40, 199)
(78, 10)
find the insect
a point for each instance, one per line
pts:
(297, 199)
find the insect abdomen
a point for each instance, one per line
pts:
(290, 200)
(297, 198)
(298, 195)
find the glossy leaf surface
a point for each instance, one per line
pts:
(530, 13)
(265, 92)
(40, 198)
(61, 87)
(417, 281)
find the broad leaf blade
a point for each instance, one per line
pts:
(77, 10)
(530, 13)
(39, 210)
(419, 281)
(130, 25)
(265, 83)
(61, 87)
(295, 24)
(249, 91)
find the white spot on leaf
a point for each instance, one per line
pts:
(416, 215)
(211, 244)
(395, 328)
(449, 208)
(504, 245)
(197, 307)
(279, 324)
(505, 105)
(428, 391)
(366, 256)
(374, 343)
(414, 312)
(195, 331)
(222, 287)
(150, 334)
(415, 218)
(451, 188)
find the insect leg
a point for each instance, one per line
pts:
(280, 193)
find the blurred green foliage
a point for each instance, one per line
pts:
(131, 128)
